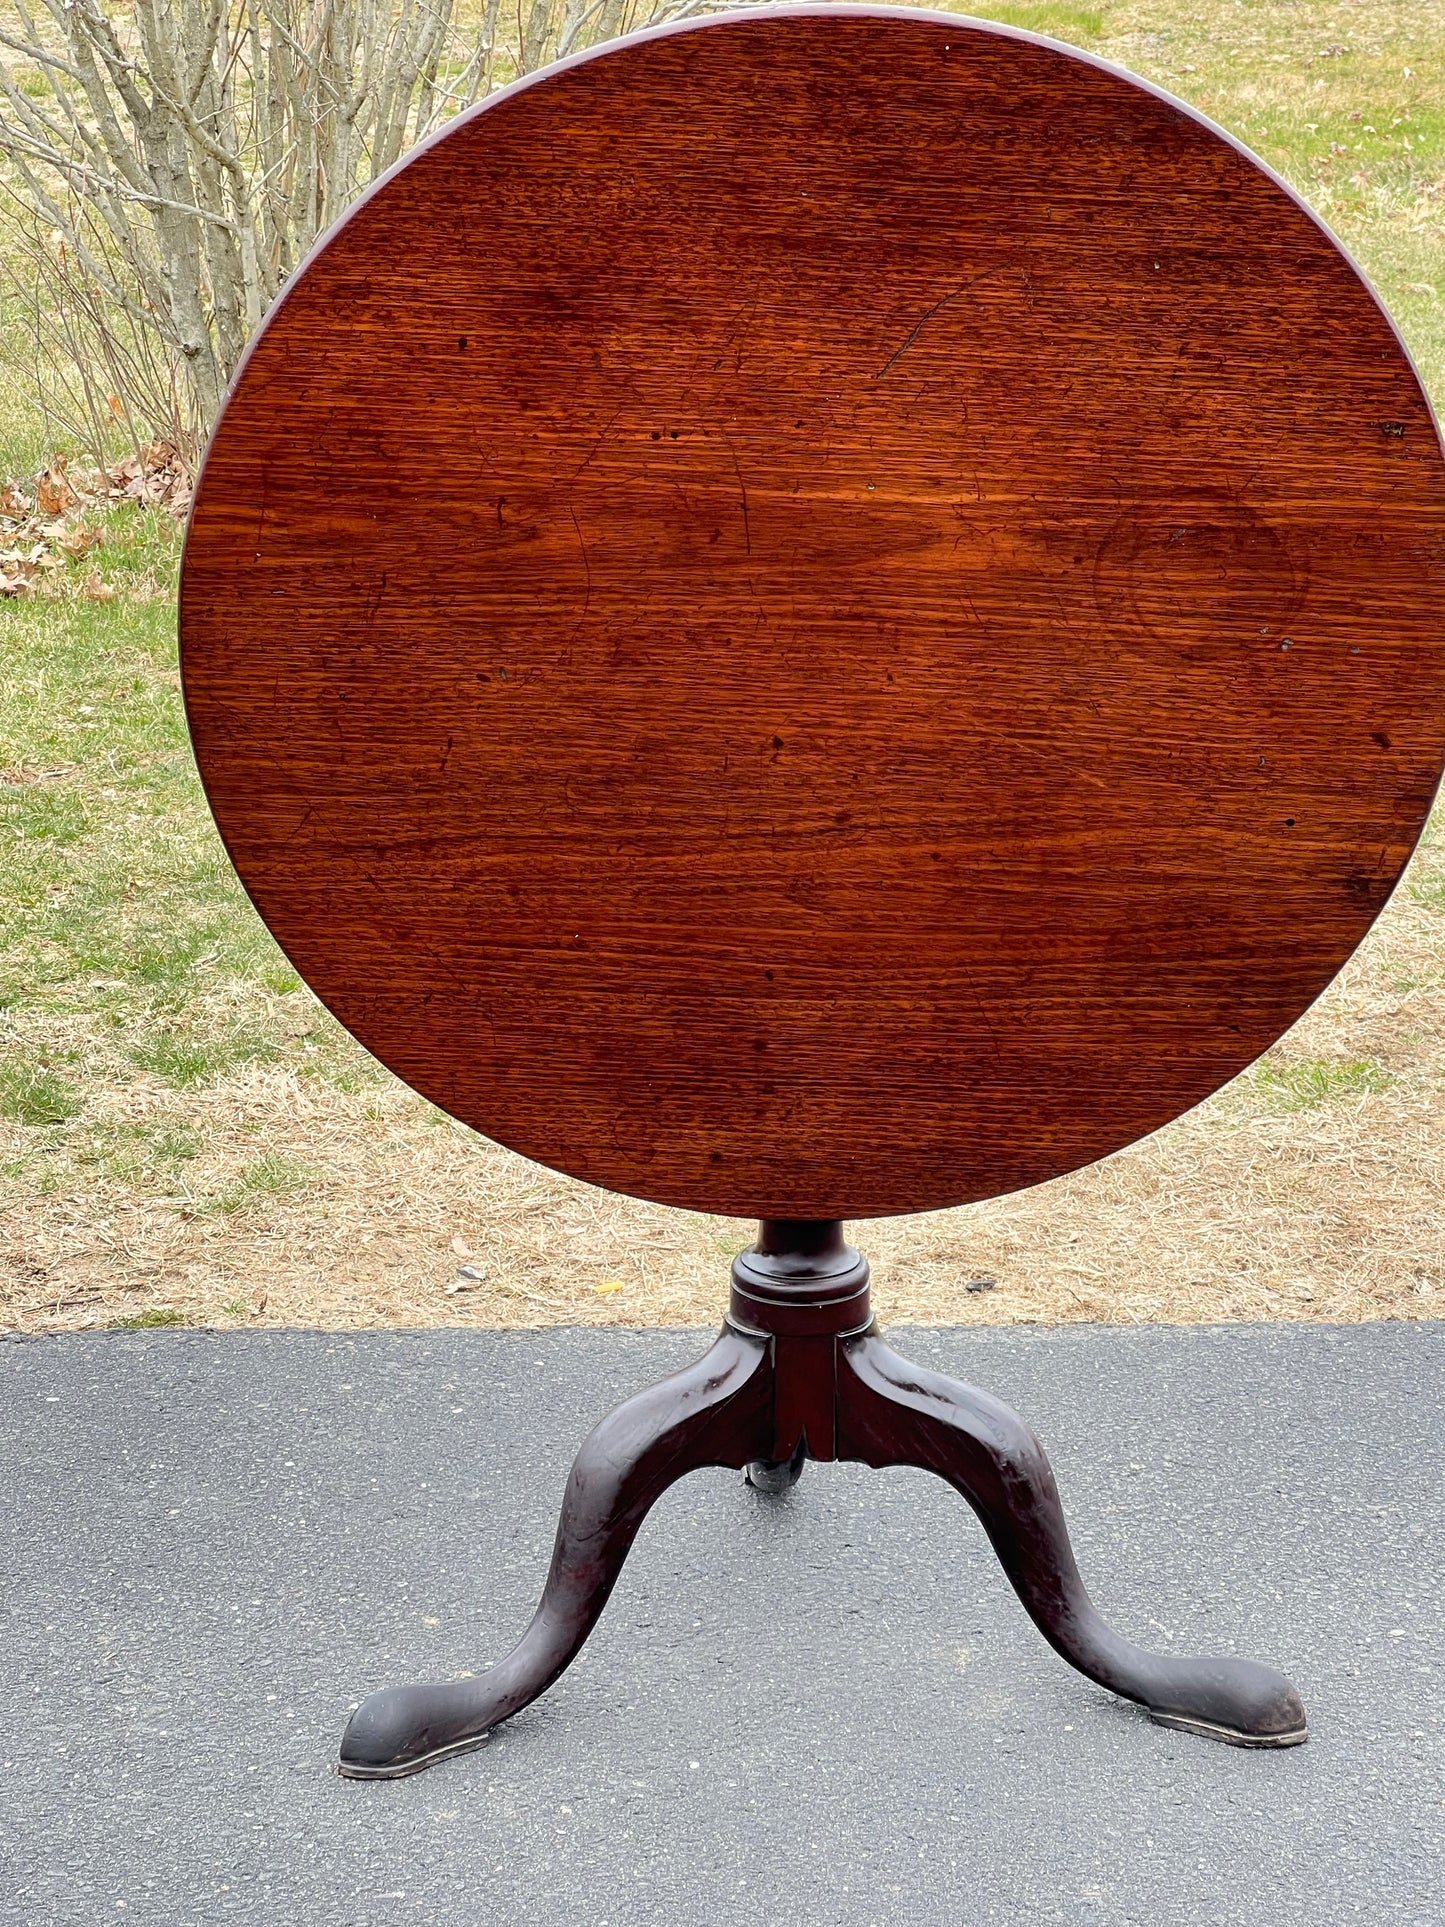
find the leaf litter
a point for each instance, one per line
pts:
(57, 518)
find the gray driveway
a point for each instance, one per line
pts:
(824, 1711)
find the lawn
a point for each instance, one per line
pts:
(187, 1137)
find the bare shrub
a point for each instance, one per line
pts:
(168, 163)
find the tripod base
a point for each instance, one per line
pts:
(794, 1375)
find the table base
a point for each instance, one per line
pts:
(800, 1372)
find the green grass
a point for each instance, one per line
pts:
(185, 1060)
(1058, 21)
(150, 1156)
(180, 1061)
(1310, 1081)
(156, 1318)
(33, 1094)
(272, 1176)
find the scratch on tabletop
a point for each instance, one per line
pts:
(587, 565)
(927, 316)
(743, 489)
(605, 431)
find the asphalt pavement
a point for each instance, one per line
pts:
(825, 1710)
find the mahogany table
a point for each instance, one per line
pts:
(825, 613)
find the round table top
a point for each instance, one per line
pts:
(825, 613)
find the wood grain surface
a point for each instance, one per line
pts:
(821, 614)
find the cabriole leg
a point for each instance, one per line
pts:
(891, 1412)
(717, 1412)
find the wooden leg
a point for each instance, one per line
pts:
(893, 1413)
(717, 1412)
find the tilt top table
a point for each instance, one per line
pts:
(825, 613)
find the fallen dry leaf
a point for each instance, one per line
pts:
(53, 493)
(81, 538)
(97, 590)
(155, 475)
